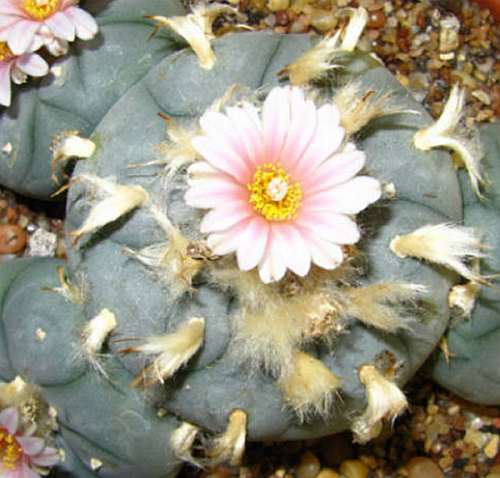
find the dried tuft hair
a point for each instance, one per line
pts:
(385, 401)
(182, 440)
(310, 388)
(116, 200)
(172, 351)
(196, 29)
(229, 447)
(354, 29)
(76, 294)
(69, 145)
(357, 107)
(444, 244)
(449, 132)
(381, 305)
(315, 62)
(93, 336)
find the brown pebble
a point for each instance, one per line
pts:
(354, 469)
(12, 239)
(422, 467)
(376, 19)
(281, 18)
(309, 466)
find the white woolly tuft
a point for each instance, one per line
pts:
(464, 297)
(229, 447)
(358, 106)
(379, 305)
(93, 336)
(310, 388)
(182, 441)
(354, 29)
(385, 401)
(116, 201)
(444, 244)
(172, 350)
(314, 63)
(68, 145)
(196, 29)
(447, 132)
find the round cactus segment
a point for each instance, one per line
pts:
(471, 368)
(79, 91)
(215, 382)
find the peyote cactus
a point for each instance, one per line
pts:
(472, 369)
(155, 343)
(79, 91)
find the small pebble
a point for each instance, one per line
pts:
(491, 449)
(323, 20)
(309, 466)
(354, 469)
(276, 5)
(42, 243)
(422, 467)
(328, 473)
(12, 239)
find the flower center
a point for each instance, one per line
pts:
(10, 451)
(40, 9)
(5, 53)
(272, 195)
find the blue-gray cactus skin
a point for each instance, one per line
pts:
(472, 370)
(91, 78)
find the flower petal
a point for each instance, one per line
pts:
(326, 140)
(21, 36)
(222, 243)
(323, 253)
(85, 25)
(335, 228)
(61, 26)
(221, 157)
(303, 117)
(338, 169)
(225, 216)
(214, 193)
(247, 124)
(47, 458)
(272, 268)
(32, 65)
(31, 445)
(5, 84)
(25, 471)
(9, 418)
(298, 260)
(252, 244)
(350, 197)
(275, 122)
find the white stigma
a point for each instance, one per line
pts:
(277, 189)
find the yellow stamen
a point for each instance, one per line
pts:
(5, 53)
(272, 195)
(40, 9)
(10, 451)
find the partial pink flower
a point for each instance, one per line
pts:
(19, 453)
(26, 25)
(17, 68)
(280, 184)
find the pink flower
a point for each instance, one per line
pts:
(18, 453)
(280, 184)
(17, 68)
(26, 25)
